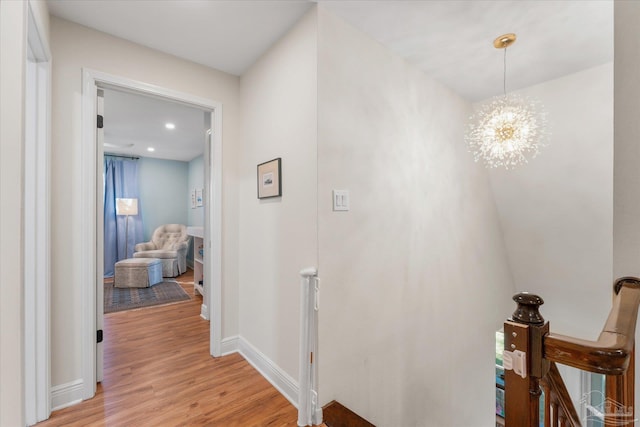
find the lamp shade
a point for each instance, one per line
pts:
(126, 206)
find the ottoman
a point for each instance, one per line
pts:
(169, 261)
(137, 273)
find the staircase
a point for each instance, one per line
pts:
(532, 351)
(336, 415)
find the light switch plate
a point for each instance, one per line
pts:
(340, 200)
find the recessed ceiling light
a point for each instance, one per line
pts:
(151, 149)
(169, 125)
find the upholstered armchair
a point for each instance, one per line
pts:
(169, 243)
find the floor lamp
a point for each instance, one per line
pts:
(126, 207)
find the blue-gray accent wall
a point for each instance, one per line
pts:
(164, 186)
(196, 180)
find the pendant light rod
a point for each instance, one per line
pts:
(503, 42)
(504, 73)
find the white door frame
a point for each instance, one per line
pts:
(37, 220)
(91, 80)
(99, 139)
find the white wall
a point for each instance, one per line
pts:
(278, 236)
(13, 48)
(75, 47)
(626, 201)
(627, 137)
(415, 279)
(13, 32)
(556, 211)
(196, 180)
(163, 186)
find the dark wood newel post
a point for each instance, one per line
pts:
(523, 336)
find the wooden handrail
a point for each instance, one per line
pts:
(533, 351)
(611, 353)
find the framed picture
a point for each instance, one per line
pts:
(270, 179)
(193, 198)
(198, 197)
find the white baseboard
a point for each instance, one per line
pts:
(68, 394)
(204, 312)
(71, 393)
(229, 345)
(286, 385)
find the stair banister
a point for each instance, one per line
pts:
(610, 354)
(531, 353)
(309, 410)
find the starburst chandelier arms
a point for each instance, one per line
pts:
(509, 129)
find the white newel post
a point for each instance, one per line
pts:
(309, 412)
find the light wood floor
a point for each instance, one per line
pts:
(158, 372)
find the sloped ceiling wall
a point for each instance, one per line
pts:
(556, 212)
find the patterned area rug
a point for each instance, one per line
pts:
(120, 299)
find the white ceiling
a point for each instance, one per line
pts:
(450, 40)
(226, 35)
(133, 123)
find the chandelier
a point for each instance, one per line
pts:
(508, 129)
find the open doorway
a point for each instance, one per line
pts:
(153, 160)
(93, 155)
(152, 215)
